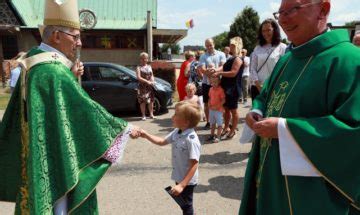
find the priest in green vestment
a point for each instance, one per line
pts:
(55, 142)
(306, 154)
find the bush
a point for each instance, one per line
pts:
(164, 70)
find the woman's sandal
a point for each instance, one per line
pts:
(224, 132)
(230, 135)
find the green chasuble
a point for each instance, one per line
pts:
(52, 141)
(316, 88)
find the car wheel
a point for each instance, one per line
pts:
(157, 106)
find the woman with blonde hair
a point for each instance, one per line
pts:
(229, 73)
(146, 80)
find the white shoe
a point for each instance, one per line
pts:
(143, 118)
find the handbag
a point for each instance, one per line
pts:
(254, 91)
(198, 85)
(257, 71)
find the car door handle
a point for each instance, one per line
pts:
(94, 88)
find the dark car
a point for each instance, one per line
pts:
(115, 87)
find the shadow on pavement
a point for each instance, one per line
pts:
(223, 158)
(227, 186)
(203, 138)
(133, 116)
(166, 125)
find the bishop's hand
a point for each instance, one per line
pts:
(78, 68)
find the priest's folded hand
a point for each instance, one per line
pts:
(267, 127)
(252, 118)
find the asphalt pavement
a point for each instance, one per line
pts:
(135, 186)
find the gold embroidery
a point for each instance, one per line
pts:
(276, 103)
(24, 189)
(277, 99)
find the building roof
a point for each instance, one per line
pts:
(111, 14)
(168, 35)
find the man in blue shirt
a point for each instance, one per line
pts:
(210, 57)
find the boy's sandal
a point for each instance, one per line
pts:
(230, 135)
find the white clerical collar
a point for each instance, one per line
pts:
(47, 48)
(295, 47)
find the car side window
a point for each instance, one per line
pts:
(94, 73)
(108, 74)
(111, 74)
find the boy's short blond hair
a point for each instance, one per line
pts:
(190, 86)
(190, 112)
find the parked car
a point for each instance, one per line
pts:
(115, 87)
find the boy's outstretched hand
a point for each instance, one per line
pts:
(135, 132)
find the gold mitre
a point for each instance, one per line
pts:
(62, 13)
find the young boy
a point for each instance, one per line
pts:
(185, 146)
(216, 109)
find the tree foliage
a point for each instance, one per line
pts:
(246, 25)
(175, 48)
(221, 40)
(352, 23)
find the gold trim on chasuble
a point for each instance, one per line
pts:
(277, 103)
(24, 189)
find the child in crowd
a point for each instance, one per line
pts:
(216, 109)
(192, 97)
(185, 146)
(190, 94)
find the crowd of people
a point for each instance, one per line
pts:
(235, 76)
(305, 100)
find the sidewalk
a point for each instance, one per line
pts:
(136, 186)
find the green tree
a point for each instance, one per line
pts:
(175, 48)
(221, 40)
(246, 25)
(352, 23)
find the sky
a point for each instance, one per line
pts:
(212, 17)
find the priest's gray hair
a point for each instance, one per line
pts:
(50, 29)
